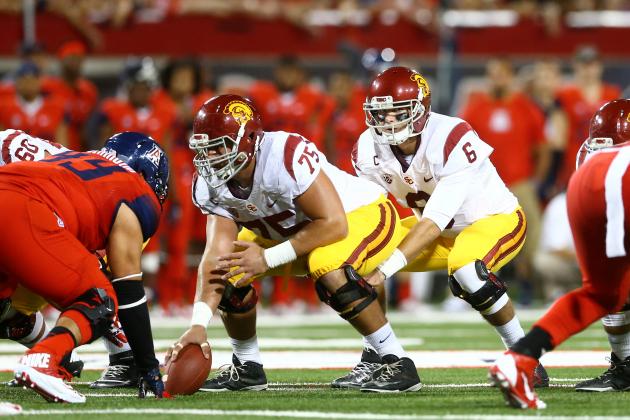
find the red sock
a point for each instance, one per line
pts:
(57, 343)
(571, 314)
(84, 325)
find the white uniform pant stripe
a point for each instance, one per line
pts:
(615, 213)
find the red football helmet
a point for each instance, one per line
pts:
(399, 92)
(227, 131)
(610, 126)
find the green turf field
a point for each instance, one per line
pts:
(303, 393)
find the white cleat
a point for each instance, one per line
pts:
(9, 409)
(52, 388)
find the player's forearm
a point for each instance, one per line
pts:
(318, 233)
(419, 237)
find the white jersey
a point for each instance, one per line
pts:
(286, 166)
(449, 180)
(16, 146)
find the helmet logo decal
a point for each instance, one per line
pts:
(628, 117)
(240, 111)
(154, 155)
(422, 84)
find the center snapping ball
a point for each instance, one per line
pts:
(185, 375)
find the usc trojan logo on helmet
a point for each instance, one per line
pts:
(240, 111)
(628, 117)
(422, 84)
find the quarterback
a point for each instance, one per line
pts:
(467, 221)
(290, 206)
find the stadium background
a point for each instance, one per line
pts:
(305, 64)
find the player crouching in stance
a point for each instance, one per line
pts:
(58, 212)
(291, 206)
(598, 200)
(466, 220)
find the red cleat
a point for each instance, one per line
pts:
(513, 373)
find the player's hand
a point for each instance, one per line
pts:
(195, 335)
(375, 278)
(151, 382)
(115, 333)
(249, 262)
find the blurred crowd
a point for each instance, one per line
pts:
(534, 116)
(88, 17)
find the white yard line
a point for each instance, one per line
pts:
(294, 414)
(335, 359)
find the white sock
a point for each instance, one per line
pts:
(511, 332)
(39, 332)
(620, 344)
(367, 345)
(246, 350)
(384, 341)
(113, 349)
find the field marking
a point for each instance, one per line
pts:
(297, 414)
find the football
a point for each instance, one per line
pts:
(185, 375)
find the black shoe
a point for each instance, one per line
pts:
(541, 379)
(248, 376)
(121, 373)
(361, 373)
(395, 375)
(616, 378)
(74, 368)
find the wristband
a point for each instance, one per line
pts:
(201, 314)
(280, 254)
(393, 264)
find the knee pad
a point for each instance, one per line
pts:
(356, 288)
(618, 319)
(233, 299)
(99, 310)
(491, 290)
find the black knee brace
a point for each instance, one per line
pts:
(98, 308)
(18, 326)
(485, 297)
(356, 288)
(232, 300)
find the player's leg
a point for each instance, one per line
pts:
(67, 276)
(238, 313)
(373, 233)
(617, 376)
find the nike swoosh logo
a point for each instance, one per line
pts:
(273, 203)
(427, 179)
(383, 340)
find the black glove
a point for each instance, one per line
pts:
(151, 382)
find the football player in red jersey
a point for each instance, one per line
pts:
(59, 211)
(599, 213)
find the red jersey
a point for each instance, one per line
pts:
(85, 191)
(43, 122)
(513, 127)
(347, 126)
(579, 113)
(307, 111)
(154, 121)
(79, 102)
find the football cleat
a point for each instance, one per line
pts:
(38, 371)
(394, 375)
(616, 378)
(9, 409)
(247, 376)
(513, 373)
(121, 373)
(361, 373)
(541, 378)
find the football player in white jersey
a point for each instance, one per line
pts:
(20, 317)
(466, 220)
(290, 206)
